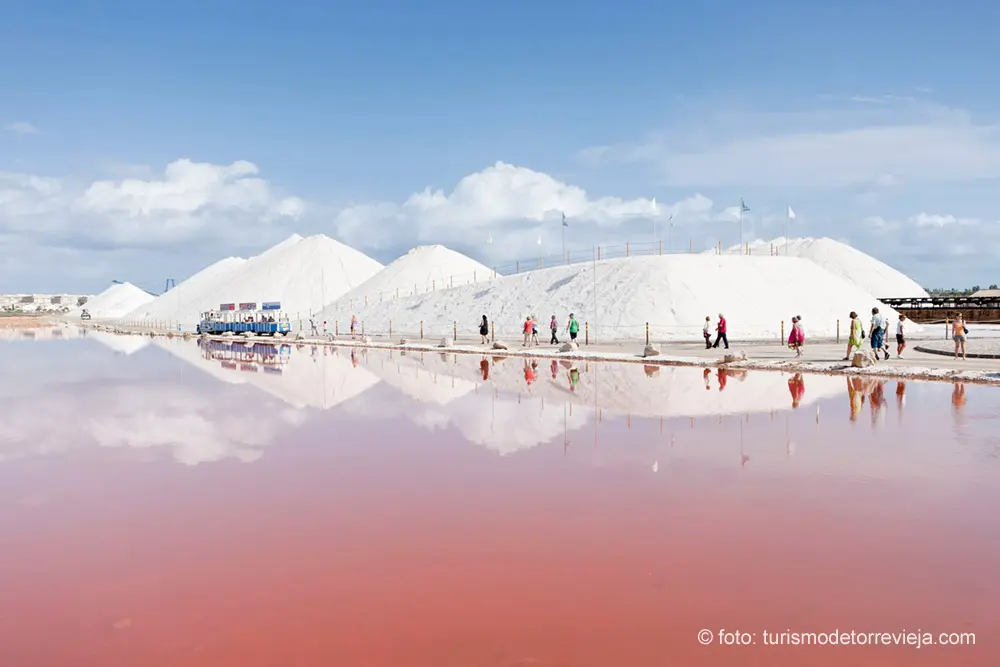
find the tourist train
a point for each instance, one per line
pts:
(270, 320)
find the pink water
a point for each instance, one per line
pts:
(388, 530)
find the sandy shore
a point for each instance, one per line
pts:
(24, 322)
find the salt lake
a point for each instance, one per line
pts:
(170, 502)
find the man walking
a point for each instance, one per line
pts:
(877, 333)
(721, 329)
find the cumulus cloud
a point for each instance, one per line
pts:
(21, 127)
(503, 201)
(919, 144)
(191, 200)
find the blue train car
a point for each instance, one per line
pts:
(246, 319)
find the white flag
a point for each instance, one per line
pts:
(489, 239)
(539, 240)
(654, 205)
(791, 213)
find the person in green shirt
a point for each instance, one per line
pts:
(573, 327)
(856, 336)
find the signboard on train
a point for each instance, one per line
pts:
(248, 306)
(271, 305)
(228, 306)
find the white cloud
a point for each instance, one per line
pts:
(503, 201)
(191, 200)
(21, 127)
(916, 144)
(938, 220)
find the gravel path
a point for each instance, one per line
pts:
(975, 348)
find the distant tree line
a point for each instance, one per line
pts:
(953, 291)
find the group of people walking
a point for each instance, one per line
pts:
(876, 335)
(530, 330)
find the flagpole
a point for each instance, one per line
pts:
(741, 224)
(564, 235)
(670, 232)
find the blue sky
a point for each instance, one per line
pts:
(878, 124)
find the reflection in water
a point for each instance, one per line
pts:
(378, 526)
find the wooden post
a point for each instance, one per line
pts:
(336, 327)
(661, 246)
(493, 332)
(362, 327)
(647, 333)
(390, 328)
(782, 331)
(421, 329)
(946, 328)
(454, 329)
(626, 248)
(838, 330)
(586, 333)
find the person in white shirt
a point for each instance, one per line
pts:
(877, 333)
(900, 336)
(706, 332)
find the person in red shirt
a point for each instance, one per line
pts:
(721, 329)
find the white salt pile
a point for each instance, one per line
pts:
(673, 293)
(179, 299)
(868, 273)
(114, 302)
(422, 269)
(304, 274)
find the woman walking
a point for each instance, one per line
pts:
(554, 328)
(484, 331)
(958, 333)
(797, 336)
(534, 330)
(900, 336)
(856, 336)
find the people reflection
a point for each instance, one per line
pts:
(529, 371)
(554, 369)
(856, 395)
(958, 397)
(354, 358)
(797, 388)
(878, 401)
(484, 368)
(900, 394)
(574, 378)
(708, 379)
(723, 376)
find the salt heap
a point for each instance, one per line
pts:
(849, 263)
(304, 274)
(422, 269)
(673, 293)
(167, 305)
(114, 302)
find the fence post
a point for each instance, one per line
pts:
(626, 248)
(493, 332)
(362, 328)
(454, 331)
(517, 266)
(661, 246)
(782, 330)
(421, 329)
(946, 328)
(390, 328)
(586, 333)
(647, 333)
(838, 330)
(336, 327)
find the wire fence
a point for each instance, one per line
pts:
(387, 330)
